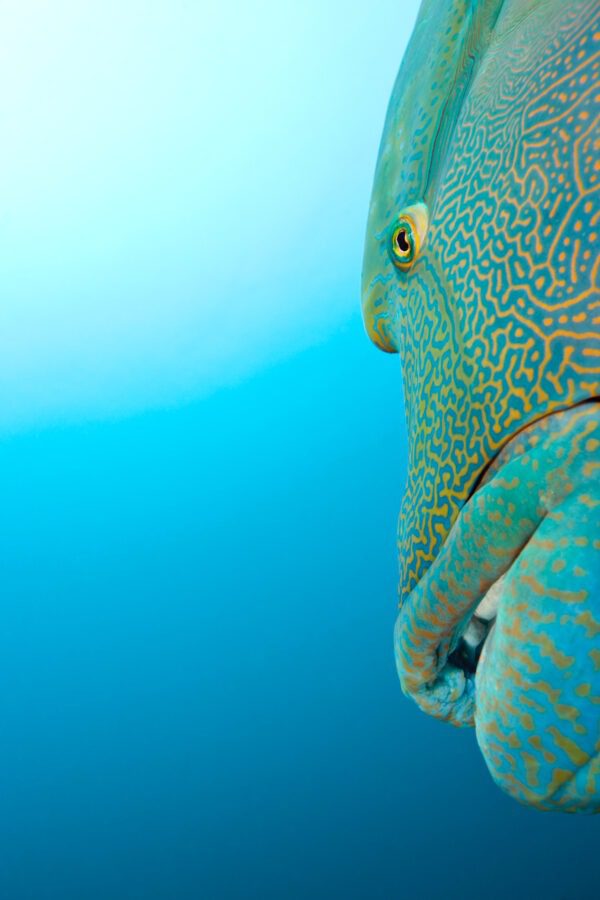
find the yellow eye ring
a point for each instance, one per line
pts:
(408, 235)
(403, 243)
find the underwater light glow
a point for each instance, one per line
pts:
(183, 195)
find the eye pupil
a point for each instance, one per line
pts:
(402, 242)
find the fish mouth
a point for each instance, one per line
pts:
(471, 641)
(446, 621)
(470, 638)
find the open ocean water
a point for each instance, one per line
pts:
(201, 465)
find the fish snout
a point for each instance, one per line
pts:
(378, 316)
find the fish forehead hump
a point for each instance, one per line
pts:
(498, 321)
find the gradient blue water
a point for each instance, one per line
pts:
(201, 463)
(198, 692)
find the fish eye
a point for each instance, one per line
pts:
(409, 234)
(403, 243)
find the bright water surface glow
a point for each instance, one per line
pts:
(183, 194)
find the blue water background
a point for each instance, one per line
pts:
(197, 689)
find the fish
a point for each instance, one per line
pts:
(481, 271)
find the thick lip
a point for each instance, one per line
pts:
(444, 623)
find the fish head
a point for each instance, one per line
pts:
(480, 263)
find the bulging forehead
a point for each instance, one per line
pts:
(449, 37)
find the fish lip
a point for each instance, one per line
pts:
(450, 694)
(488, 469)
(431, 638)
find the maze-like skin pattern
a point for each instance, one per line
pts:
(535, 700)
(497, 323)
(494, 125)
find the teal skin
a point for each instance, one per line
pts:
(481, 270)
(532, 530)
